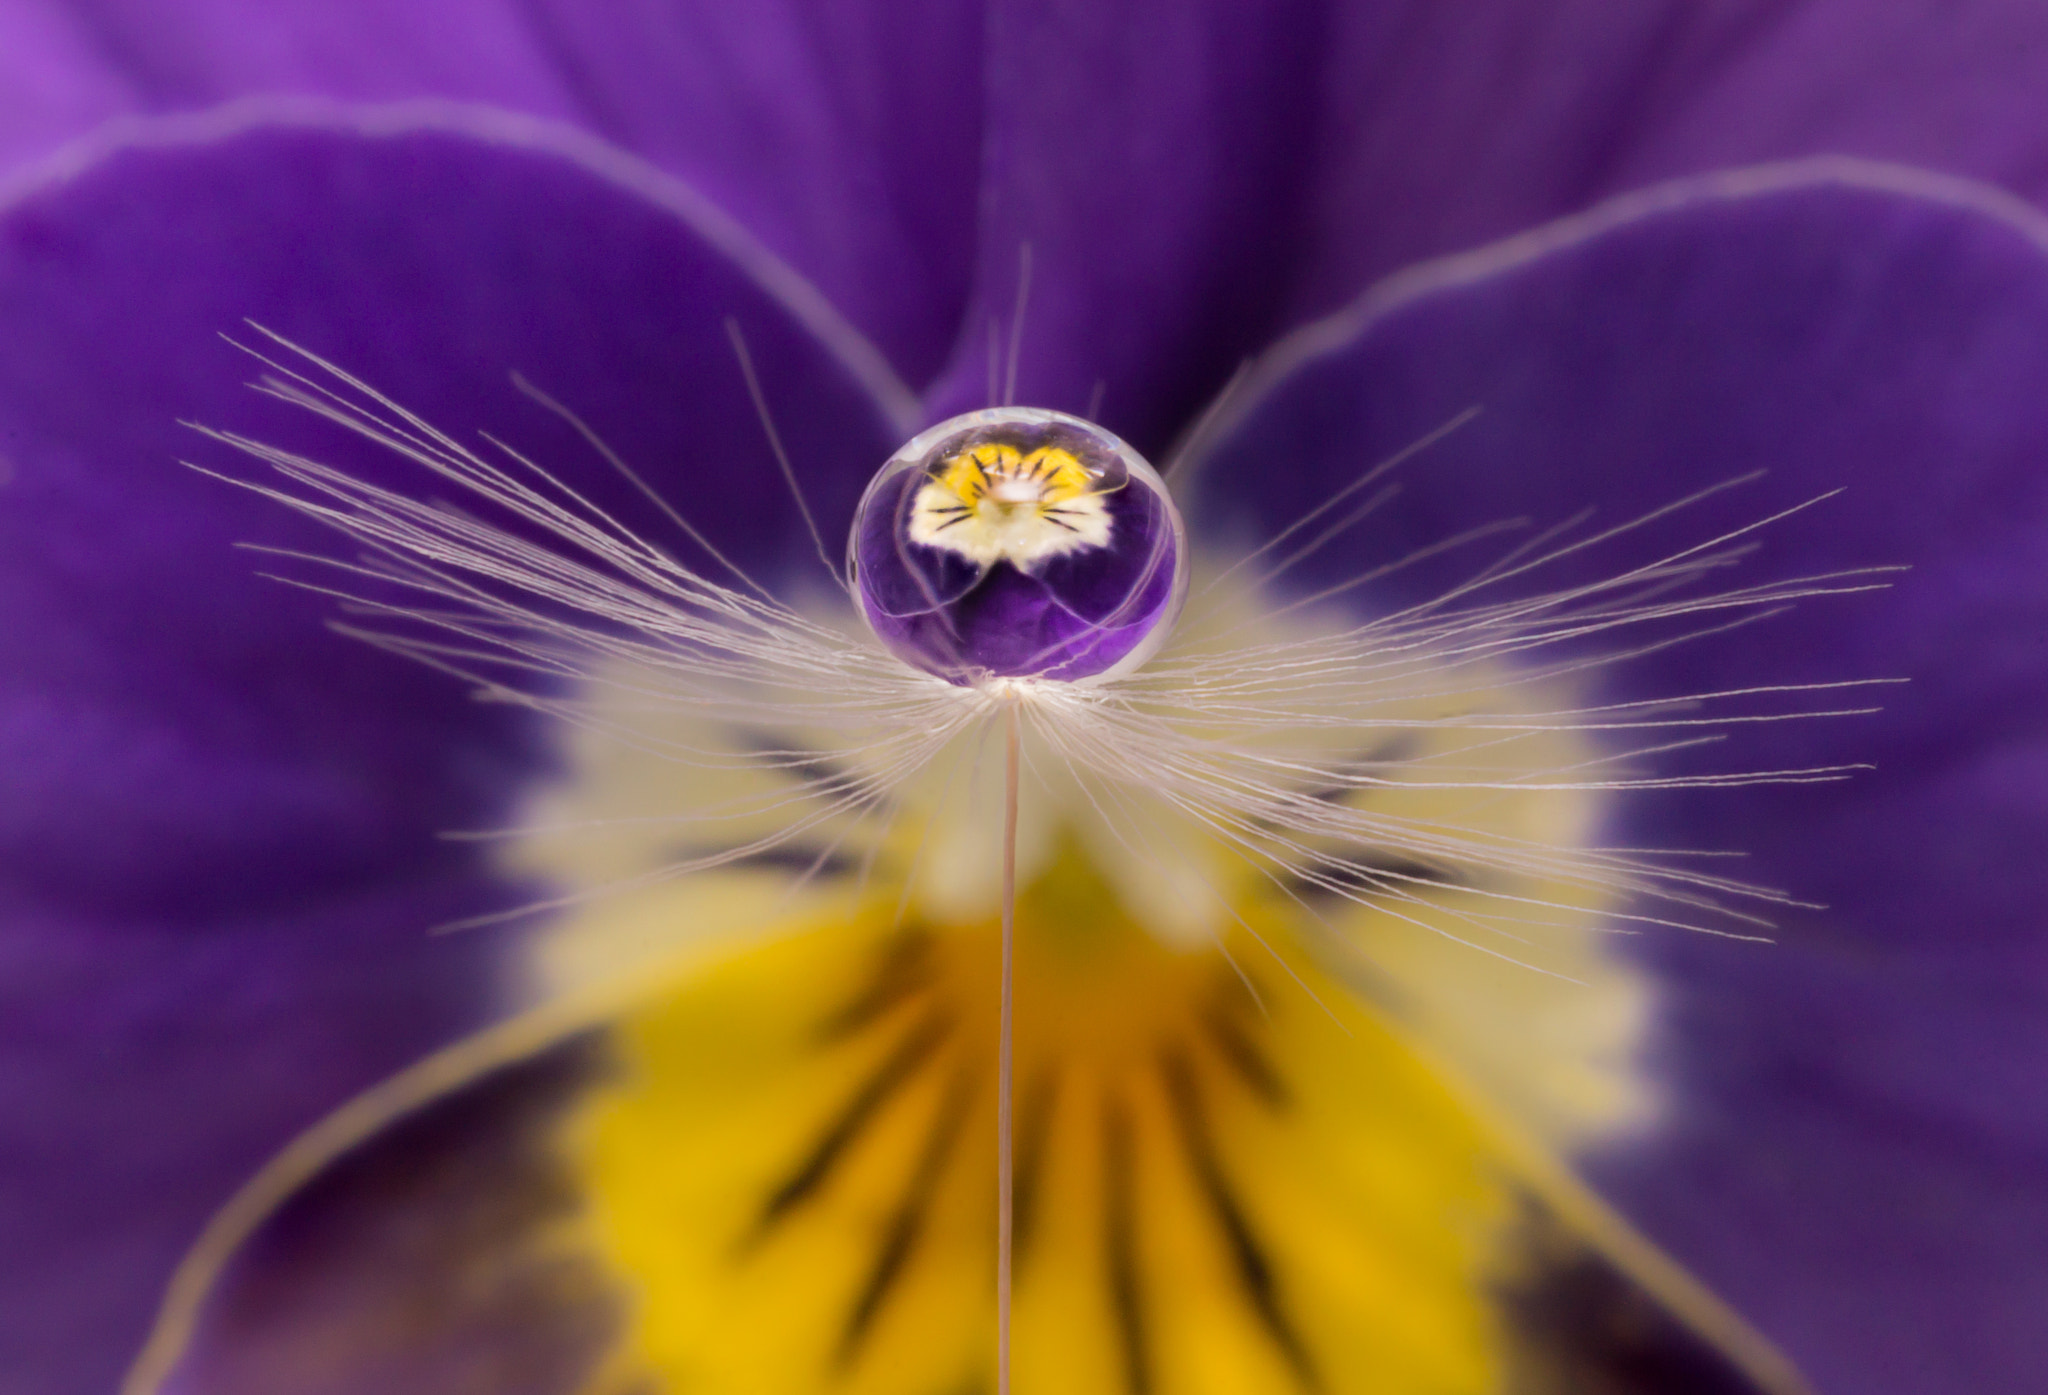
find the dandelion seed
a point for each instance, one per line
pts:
(1184, 862)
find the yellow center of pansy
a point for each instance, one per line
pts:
(995, 502)
(1240, 1165)
(792, 1171)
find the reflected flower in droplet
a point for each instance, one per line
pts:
(1015, 543)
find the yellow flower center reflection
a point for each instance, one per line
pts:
(995, 502)
(793, 1171)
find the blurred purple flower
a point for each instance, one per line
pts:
(216, 820)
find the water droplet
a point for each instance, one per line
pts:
(1018, 543)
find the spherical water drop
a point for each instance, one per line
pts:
(1018, 543)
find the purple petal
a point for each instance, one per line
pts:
(427, 1258)
(218, 819)
(1446, 128)
(1155, 204)
(1192, 179)
(70, 66)
(1857, 1159)
(847, 137)
(1264, 165)
(151, 1065)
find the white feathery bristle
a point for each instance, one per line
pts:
(1434, 769)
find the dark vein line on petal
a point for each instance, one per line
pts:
(904, 967)
(1348, 878)
(891, 1076)
(784, 755)
(1034, 1130)
(1244, 1058)
(906, 1223)
(802, 859)
(1248, 1256)
(1120, 1245)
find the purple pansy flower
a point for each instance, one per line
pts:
(1659, 252)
